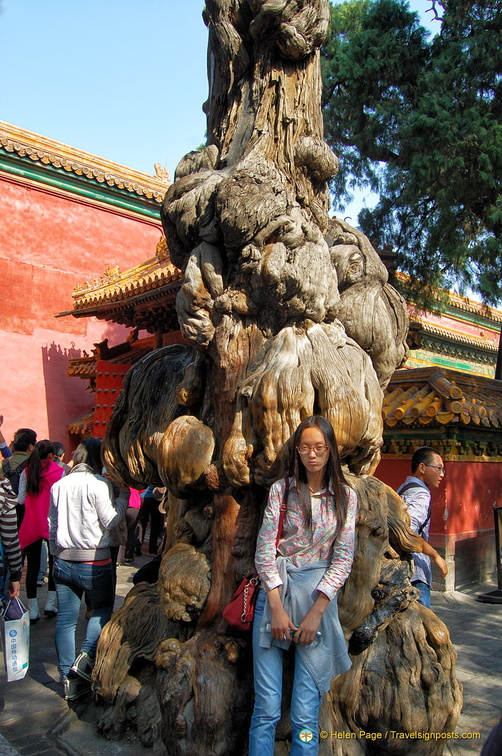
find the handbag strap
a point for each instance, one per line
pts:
(282, 513)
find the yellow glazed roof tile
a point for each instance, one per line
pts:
(436, 395)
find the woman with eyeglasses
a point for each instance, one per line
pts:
(300, 577)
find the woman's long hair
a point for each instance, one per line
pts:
(334, 477)
(36, 465)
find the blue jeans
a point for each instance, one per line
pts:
(305, 699)
(73, 579)
(425, 593)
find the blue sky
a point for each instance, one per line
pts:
(123, 79)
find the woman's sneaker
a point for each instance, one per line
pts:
(82, 666)
(74, 687)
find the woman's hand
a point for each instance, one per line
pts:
(309, 625)
(280, 623)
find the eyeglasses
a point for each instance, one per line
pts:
(436, 467)
(318, 450)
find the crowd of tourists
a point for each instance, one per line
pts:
(69, 523)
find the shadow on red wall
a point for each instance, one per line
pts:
(66, 398)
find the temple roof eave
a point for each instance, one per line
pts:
(157, 315)
(481, 313)
(152, 278)
(31, 148)
(445, 336)
(104, 307)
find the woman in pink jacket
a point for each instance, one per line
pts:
(34, 492)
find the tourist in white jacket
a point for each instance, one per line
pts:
(82, 514)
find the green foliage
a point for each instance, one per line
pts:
(417, 119)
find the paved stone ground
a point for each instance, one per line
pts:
(34, 717)
(36, 721)
(476, 631)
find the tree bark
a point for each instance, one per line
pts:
(285, 314)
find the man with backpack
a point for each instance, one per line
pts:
(427, 471)
(12, 467)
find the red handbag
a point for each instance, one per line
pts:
(239, 611)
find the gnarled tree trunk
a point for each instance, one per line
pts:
(285, 314)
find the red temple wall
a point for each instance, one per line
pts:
(48, 244)
(464, 502)
(46, 226)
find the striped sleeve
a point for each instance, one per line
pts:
(8, 530)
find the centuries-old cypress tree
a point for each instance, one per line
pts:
(285, 313)
(417, 119)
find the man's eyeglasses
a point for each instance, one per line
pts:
(436, 467)
(318, 450)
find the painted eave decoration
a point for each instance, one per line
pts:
(37, 161)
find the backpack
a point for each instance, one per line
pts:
(14, 475)
(407, 487)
